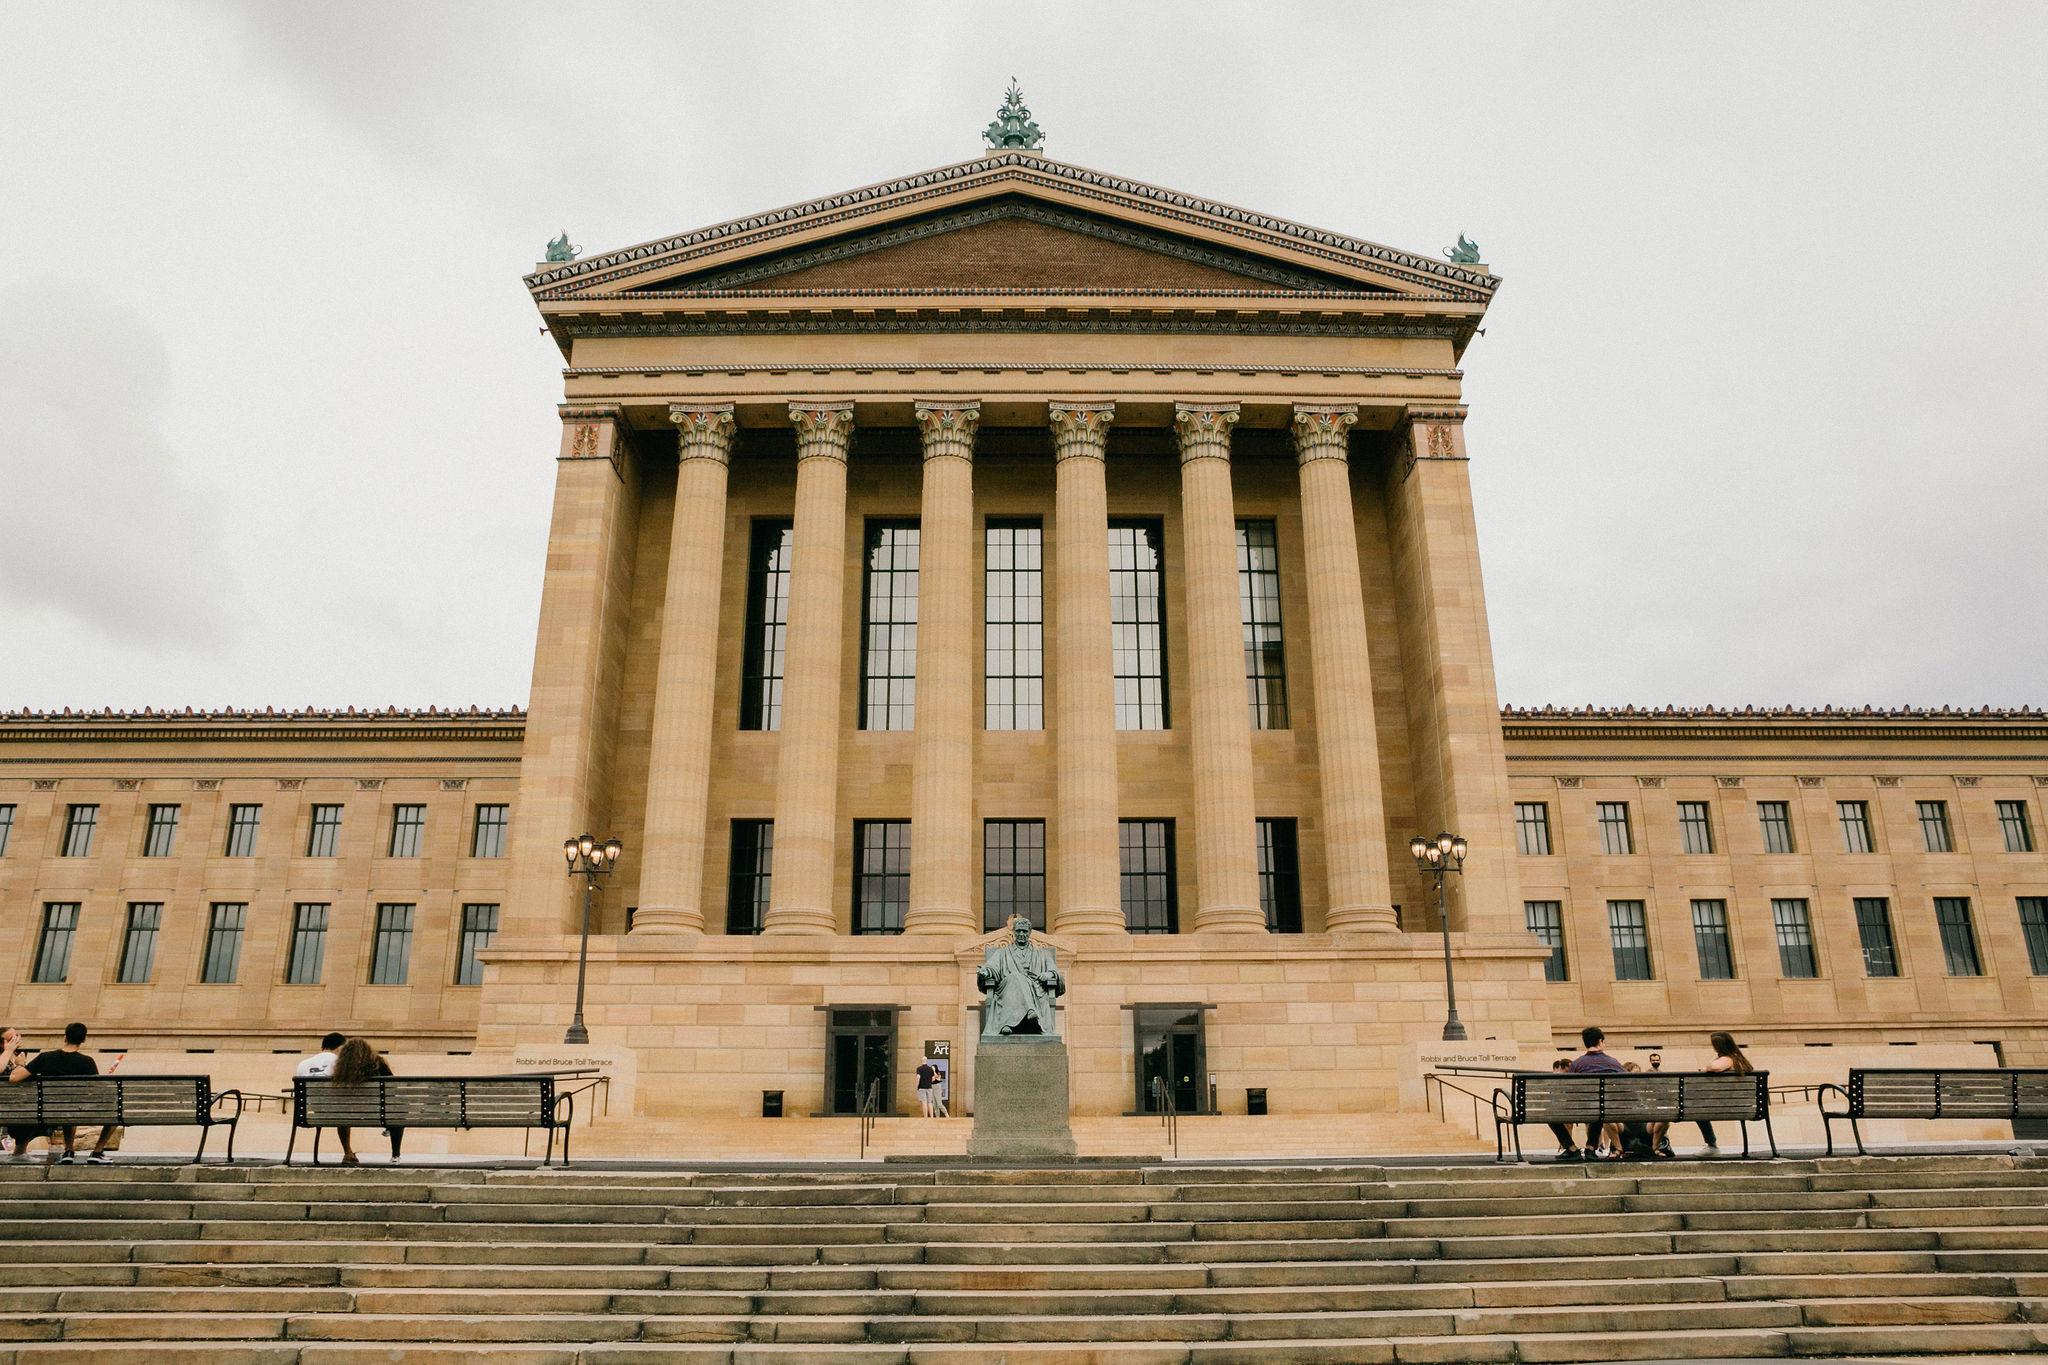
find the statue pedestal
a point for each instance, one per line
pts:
(1020, 1101)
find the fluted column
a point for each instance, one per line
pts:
(807, 761)
(1083, 689)
(679, 761)
(1226, 833)
(1347, 742)
(942, 777)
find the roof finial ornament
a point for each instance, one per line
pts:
(560, 249)
(1013, 129)
(1466, 252)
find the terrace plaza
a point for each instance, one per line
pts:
(1006, 539)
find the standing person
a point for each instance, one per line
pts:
(66, 1061)
(1594, 1060)
(355, 1063)
(321, 1063)
(927, 1082)
(1727, 1057)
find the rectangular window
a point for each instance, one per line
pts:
(768, 558)
(749, 876)
(1795, 938)
(138, 944)
(1710, 940)
(79, 823)
(391, 952)
(1145, 861)
(1615, 835)
(888, 656)
(53, 948)
(1532, 828)
(1630, 933)
(1934, 828)
(161, 834)
(6, 828)
(1137, 623)
(1014, 643)
(1874, 928)
(1546, 920)
(408, 828)
(479, 925)
(2034, 925)
(1695, 827)
(1776, 819)
(1280, 876)
(224, 943)
(1258, 595)
(1958, 939)
(2012, 822)
(242, 825)
(488, 839)
(1012, 872)
(881, 875)
(309, 944)
(1856, 836)
(324, 839)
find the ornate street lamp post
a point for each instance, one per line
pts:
(1435, 857)
(590, 860)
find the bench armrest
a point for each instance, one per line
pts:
(1820, 1100)
(236, 1096)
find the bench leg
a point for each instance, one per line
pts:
(1857, 1132)
(1772, 1135)
(290, 1142)
(1827, 1126)
(205, 1132)
(231, 1137)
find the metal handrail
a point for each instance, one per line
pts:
(870, 1104)
(1442, 1112)
(1169, 1113)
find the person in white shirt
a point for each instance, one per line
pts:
(321, 1063)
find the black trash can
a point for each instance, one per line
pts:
(1255, 1100)
(771, 1104)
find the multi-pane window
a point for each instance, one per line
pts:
(487, 840)
(479, 926)
(1145, 862)
(323, 839)
(2034, 926)
(1629, 932)
(1856, 836)
(1695, 827)
(309, 944)
(767, 623)
(224, 943)
(1795, 938)
(6, 827)
(888, 656)
(138, 944)
(881, 875)
(1874, 929)
(1137, 624)
(1615, 836)
(391, 950)
(1012, 872)
(53, 946)
(1958, 938)
(1258, 595)
(408, 830)
(243, 822)
(79, 823)
(2012, 823)
(749, 876)
(1014, 640)
(1934, 830)
(1546, 920)
(1532, 828)
(1280, 876)
(1710, 940)
(160, 835)
(1776, 819)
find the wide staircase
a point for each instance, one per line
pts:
(1185, 1264)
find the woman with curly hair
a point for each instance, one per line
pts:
(356, 1063)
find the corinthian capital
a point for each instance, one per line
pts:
(1204, 430)
(948, 428)
(1080, 430)
(1322, 433)
(706, 430)
(823, 430)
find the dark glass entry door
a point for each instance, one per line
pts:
(860, 1050)
(1170, 1051)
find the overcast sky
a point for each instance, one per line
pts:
(1758, 416)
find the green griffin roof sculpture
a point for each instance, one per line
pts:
(1013, 129)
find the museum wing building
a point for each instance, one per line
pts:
(1014, 539)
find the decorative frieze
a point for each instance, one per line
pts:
(369, 784)
(43, 784)
(291, 784)
(1968, 781)
(206, 784)
(1728, 781)
(1887, 781)
(1322, 433)
(454, 784)
(1650, 783)
(127, 784)
(1570, 784)
(1813, 781)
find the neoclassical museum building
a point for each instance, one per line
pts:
(1012, 539)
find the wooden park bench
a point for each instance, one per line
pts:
(516, 1101)
(1602, 1097)
(120, 1102)
(1934, 1093)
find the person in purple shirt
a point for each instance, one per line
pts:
(1594, 1059)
